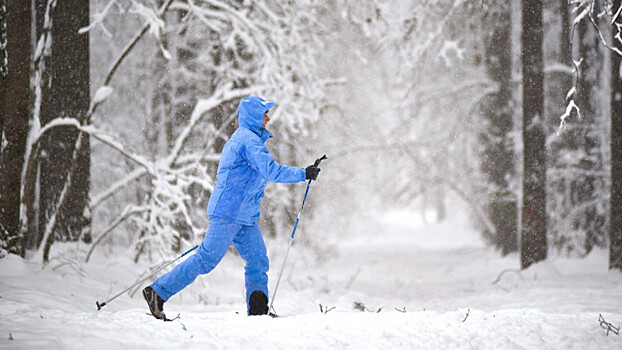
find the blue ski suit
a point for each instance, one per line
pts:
(245, 168)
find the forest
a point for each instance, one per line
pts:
(473, 180)
(114, 114)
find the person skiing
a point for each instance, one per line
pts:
(244, 169)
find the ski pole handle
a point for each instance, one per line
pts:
(319, 160)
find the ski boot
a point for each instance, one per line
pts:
(258, 304)
(156, 304)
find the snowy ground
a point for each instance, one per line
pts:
(451, 288)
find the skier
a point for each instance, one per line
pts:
(245, 168)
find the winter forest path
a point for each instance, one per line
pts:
(422, 286)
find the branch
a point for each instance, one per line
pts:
(222, 95)
(117, 186)
(432, 38)
(467, 315)
(602, 38)
(326, 309)
(50, 227)
(133, 43)
(353, 278)
(608, 326)
(503, 273)
(127, 212)
(98, 18)
(478, 211)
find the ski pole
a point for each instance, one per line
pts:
(291, 239)
(99, 306)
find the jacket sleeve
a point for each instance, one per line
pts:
(262, 161)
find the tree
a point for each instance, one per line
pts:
(68, 96)
(3, 68)
(562, 233)
(14, 99)
(498, 154)
(615, 230)
(533, 247)
(588, 185)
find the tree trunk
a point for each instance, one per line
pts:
(587, 187)
(533, 231)
(560, 178)
(14, 116)
(498, 157)
(68, 97)
(615, 228)
(3, 71)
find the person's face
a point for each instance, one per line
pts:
(266, 119)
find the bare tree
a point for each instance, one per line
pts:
(533, 247)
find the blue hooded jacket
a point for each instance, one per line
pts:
(246, 166)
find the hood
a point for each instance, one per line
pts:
(250, 113)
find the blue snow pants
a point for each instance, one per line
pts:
(246, 239)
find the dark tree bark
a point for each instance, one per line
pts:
(67, 97)
(498, 157)
(3, 70)
(615, 229)
(533, 232)
(14, 114)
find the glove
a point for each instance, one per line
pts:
(311, 172)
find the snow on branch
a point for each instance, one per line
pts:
(133, 43)
(152, 19)
(569, 108)
(117, 186)
(586, 9)
(127, 212)
(72, 122)
(98, 19)
(222, 95)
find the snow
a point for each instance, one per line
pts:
(102, 94)
(455, 292)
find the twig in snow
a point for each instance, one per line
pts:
(467, 315)
(502, 273)
(361, 307)
(608, 326)
(402, 310)
(326, 309)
